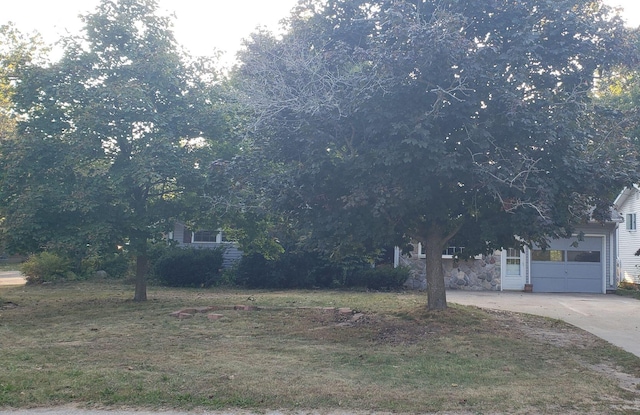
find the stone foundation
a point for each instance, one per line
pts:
(472, 274)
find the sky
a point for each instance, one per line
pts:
(200, 25)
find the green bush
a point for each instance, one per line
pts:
(46, 267)
(313, 270)
(228, 276)
(255, 271)
(291, 270)
(190, 267)
(116, 264)
(382, 277)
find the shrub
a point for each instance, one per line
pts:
(627, 285)
(255, 271)
(291, 270)
(189, 267)
(382, 277)
(314, 270)
(116, 264)
(46, 267)
(228, 276)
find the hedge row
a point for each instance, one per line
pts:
(189, 267)
(312, 270)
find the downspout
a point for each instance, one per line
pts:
(396, 257)
(527, 252)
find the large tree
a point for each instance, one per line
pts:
(620, 88)
(111, 147)
(16, 50)
(435, 120)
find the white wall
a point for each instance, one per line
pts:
(629, 241)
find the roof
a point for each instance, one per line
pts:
(624, 195)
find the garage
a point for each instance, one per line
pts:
(569, 265)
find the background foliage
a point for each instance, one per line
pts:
(380, 121)
(314, 270)
(184, 267)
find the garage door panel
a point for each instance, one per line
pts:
(588, 243)
(584, 277)
(584, 285)
(591, 271)
(549, 285)
(571, 267)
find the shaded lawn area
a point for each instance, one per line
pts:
(88, 344)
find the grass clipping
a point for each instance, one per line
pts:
(87, 344)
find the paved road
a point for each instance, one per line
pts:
(11, 278)
(611, 317)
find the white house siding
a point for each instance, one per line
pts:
(629, 240)
(231, 255)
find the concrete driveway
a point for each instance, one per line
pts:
(611, 317)
(11, 278)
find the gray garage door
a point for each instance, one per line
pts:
(568, 266)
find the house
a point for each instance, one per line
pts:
(584, 263)
(205, 239)
(628, 205)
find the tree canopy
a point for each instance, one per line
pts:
(620, 88)
(111, 144)
(429, 120)
(16, 50)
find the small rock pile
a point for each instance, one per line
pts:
(190, 312)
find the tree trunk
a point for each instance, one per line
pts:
(436, 294)
(142, 265)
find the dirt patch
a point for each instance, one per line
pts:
(549, 331)
(7, 305)
(626, 381)
(563, 335)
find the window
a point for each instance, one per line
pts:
(550, 255)
(631, 221)
(583, 256)
(206, 236)
(448, 252)
(452, 250)
(556, 255)
(513, 262)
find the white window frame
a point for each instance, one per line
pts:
(519, 256)
(217, 241)
(511, 282)
(630, 219)
(421, 255)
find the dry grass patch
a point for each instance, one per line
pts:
(88, 344)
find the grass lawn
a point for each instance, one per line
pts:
(87, 344)
(628, 293)
(9, 266)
